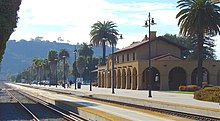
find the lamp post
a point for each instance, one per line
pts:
(113, 64)
(49, 73)
(75, 52)
(64, 76)
(40, 71)
(90, 80)
(149, 22)
(56, 60)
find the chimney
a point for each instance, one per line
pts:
(153, 35)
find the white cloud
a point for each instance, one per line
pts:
(72, 19)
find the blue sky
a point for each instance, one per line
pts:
(72, 19)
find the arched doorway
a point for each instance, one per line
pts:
(118, 81)
(134, 83)
(128, 83)
(218, 78)
(155, 78)
(177, 77)
(194, 77)
(123, 81)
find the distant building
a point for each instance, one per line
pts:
(169, 70)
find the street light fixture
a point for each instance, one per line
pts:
(149, 22)
(113, 62)
(64, 76)
(90, 80)
(50, 73)
(75, 52)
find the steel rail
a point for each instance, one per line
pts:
(62, 112)
(22, 105)
(164, 111)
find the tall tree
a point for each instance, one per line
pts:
(8, 21)
(192, 49)
(198, 18)
(62, 53)
(102, 34)
(37, 63)
(53, 59)
(208, 49)
(81, 64)
(85, 50)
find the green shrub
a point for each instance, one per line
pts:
(207, 85)
(211, 94)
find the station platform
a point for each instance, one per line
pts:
(160, 99)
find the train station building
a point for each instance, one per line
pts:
(169, 70)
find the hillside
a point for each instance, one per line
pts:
(18, 55)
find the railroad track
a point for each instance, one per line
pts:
(164, 111)
(33, 105)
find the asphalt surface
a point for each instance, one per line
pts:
(9, 109)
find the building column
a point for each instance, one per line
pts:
(188, 79)
(164, 81)
(213, 78)
(139, 82)
(109, 80)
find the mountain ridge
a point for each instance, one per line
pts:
(19, 54)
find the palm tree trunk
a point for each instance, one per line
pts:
(104, 52)
(200, 59)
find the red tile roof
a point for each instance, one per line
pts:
(131, 46)
(146, 41)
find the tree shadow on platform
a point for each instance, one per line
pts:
(73, 106)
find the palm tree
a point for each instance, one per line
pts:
(81, 64)
(85, 50)
(102, 34)
(37, 64)
(52, 56)
(53, 59)
(198, 18)
(63, 54)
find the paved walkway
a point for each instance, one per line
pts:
(163, 96)
(169, 100)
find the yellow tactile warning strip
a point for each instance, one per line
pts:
(121, 106)
(164, 103)
(135, 109)
(111, 116)
(97, 112)
(158, 102)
